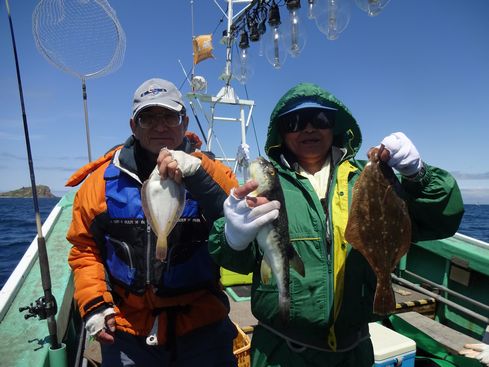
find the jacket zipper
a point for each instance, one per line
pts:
(148, 252)
(329, 237)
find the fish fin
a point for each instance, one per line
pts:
(284, 308)
(295, 261)
(146, 206)
(161, 247)
(265, 271)
(384, 299)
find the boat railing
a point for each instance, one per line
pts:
(471, 240)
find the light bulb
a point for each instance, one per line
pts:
(296, 39)
(333, 17)
(372, 7)
(243, 69)
(311, 9)
(275, 48)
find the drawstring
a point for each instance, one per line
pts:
(152, 338)
(171, 333)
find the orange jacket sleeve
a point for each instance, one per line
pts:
(88, 270)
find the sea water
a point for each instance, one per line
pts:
(18, 228)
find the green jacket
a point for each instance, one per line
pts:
(332, 305)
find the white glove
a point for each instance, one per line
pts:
(404, 155)
(96, 322)
(243, 223)
(478, 351)
(188, 164)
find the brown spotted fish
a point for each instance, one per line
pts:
(163, 201)
(379, 226)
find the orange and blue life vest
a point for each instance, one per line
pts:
(129, 244)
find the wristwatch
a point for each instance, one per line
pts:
(418, 176)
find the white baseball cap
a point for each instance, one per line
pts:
(157, 92)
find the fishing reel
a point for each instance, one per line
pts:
(41, 308)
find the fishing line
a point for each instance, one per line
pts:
(253, 124)
(48, 304)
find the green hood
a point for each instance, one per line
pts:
(346, 131)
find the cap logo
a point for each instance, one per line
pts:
(153, 91)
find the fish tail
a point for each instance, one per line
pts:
(384, 300)
(161, 248)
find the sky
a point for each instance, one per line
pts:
(420, 67)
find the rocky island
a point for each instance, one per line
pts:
(43, 191)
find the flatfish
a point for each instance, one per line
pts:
(273, 238)
(163, 201)
(379, 226)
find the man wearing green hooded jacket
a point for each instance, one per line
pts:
(312, 141)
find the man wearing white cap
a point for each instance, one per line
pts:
(143, 311)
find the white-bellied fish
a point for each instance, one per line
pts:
(163, 201)
(278, 253)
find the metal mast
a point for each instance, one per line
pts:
(227, 97)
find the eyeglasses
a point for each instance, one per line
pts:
(149, 120)
(297, 121)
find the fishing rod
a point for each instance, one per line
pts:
(45, 307)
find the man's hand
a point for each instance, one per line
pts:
(400, 153)
(479, 351)
(176, 164)
(101, 326)
(245, 215)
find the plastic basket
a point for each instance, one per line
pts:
(241, 348)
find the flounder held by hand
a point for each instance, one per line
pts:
(379, 226)
(163, 201)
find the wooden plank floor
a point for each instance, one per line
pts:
(451, 339)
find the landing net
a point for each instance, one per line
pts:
(80, 37)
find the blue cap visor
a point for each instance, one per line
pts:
(305, 105)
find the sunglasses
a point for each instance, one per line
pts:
(297, 121)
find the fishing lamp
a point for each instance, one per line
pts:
(262, 28)
(333, 19)
(297, 37)
(274, 49)
(372, 7)
(311, 5)
(244, 71)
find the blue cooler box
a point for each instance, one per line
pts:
(391, 349)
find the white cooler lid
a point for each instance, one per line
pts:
(389, 343)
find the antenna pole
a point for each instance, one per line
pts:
(193, 37)
(45, 306)
(229, 43)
